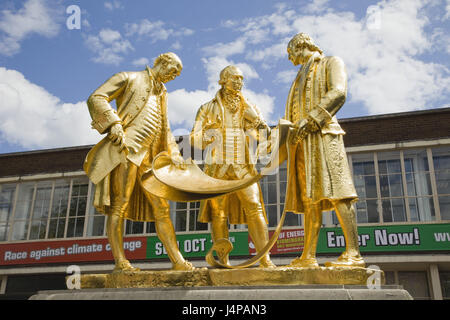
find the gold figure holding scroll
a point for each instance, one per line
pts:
(319, 178)
(136, 133)
(220, 127)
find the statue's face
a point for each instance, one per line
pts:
(235, 81)
(169, 71)
(299, 55)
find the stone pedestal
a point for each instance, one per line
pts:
(235, 277)
(282, 283)
(232, 293)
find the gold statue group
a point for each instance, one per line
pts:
(319, 178)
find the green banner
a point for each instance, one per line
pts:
(391, 238)
(197, 245)
(413, 237)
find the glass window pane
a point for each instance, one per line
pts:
(271, 211)
(283, 186)
(134, 227)
(79, 227)
(361, 212)
(441, 158)
(396, 186)
(60, 198)
(441, 161)
(292, 219)
(422, 209)
(443, 181)
(180, 220)
(372, 211)
(384, 186)
(416, 160)
(445, 284)
(3, 231)
(151, 227)
(398, 210)
(271, 193)
(283, 174)
(71, 228)
(25, 197)
(181, 205)
(7, 192)
(416, 283)
(96, 225)
(20, 230)
(193, 223)
(387, 210)
(444, 205)
(52, 228)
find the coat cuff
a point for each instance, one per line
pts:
(105, 120)
(320, 116)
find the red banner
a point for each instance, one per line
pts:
(68, 251)
(288, 241)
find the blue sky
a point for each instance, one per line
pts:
(396, 53)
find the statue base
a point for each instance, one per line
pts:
(204, 295)
(234, 277)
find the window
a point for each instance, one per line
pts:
(77, 211)
(418, 185)
(269, 191)
(365, 184)
(23, 211)
(7, 193)
(59, 209)
(134, 227)
(178, 214)
(445, 284)
(40, 211)
(391, 187)
(45, 209)
(441, 163)
(416, 283)
(194, 210)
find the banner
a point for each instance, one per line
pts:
(66, 251)
(197, 245)
(289, 241)
(392, 238)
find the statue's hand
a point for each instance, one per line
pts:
(117, 135)
(302, 128)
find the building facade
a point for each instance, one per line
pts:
(401, 170)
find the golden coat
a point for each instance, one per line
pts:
(131, 90)
(213, 112)
(318, 171)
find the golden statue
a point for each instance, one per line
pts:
(319, 178)
(136, 133)
(221, 124)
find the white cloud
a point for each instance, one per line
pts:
(109, 46)
(34, 118)
(176, 45)
(286, 76)
(112, 5)
(382, 50)
(33, 18)
(155, 30)
(183, 106)
(141, 62)
(317, 6)
(447, 10)
(225, 49)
